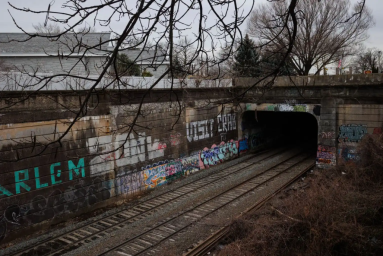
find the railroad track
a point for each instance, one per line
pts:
(98, 229)
(145, 243)
(205, 246)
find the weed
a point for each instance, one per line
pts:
(337, 214)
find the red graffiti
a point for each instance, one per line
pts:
(328, 135)
(161, 145)
(377, 131)
(175, 139)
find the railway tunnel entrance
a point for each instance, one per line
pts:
(266, 129)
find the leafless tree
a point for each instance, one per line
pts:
(184, 49)
(86, 29)
(367, 59)
(227, 54)
(51, 28)
(163, 22)
(326, 30)
(4, 69)
(54, 28)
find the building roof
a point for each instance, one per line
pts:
(146, 56)
(16, 44)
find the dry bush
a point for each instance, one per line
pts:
(338, 214)
(371, 159)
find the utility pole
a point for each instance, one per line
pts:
(379, 55)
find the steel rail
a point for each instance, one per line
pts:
(208, 244)
(205, 202)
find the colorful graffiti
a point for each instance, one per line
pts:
(155, 176)
(326, 155)
(169, 170)
(218, 154)
(286, 108)
(174, 169)
(190, 164)
(352, 132)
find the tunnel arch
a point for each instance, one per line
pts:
(281, 124)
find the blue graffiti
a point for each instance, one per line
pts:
(243, 145)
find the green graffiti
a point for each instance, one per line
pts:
(23, 175)
(72, 166)
(4, 191)
(37, 177)
(19, 182)
(300, 108)
(53, 176)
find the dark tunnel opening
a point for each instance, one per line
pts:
(266, 128)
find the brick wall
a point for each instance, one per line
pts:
(97, 162)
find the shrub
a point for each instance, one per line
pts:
(147, 74)
(339, 213)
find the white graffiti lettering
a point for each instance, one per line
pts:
(226, 123)
(199, 130)
(121, 151)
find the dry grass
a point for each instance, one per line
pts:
(338, 214)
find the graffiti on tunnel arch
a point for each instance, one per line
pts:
(256, 140)
(243, 145)
(285, 108)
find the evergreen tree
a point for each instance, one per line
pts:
(178, 68)
(270, 62)
(126, 67)
(246, 61)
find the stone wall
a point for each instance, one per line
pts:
(98, 161)
(353, 122)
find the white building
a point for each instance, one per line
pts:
(63, 56)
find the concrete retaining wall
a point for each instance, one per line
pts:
(97, 162)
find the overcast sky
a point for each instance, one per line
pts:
(26, 20)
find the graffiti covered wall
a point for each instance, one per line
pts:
(354, 122)
(99, 160)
